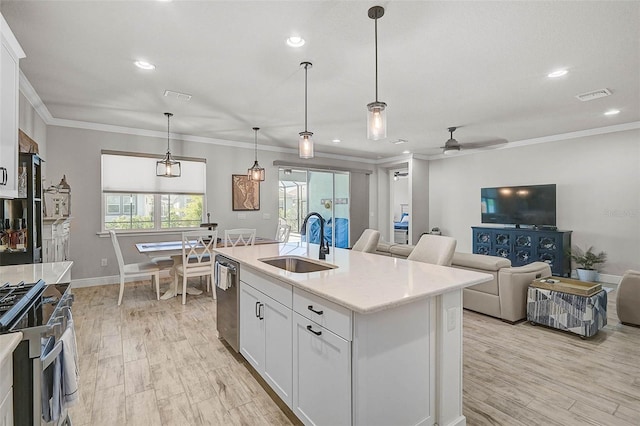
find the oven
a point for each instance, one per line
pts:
(42, 314)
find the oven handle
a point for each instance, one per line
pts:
(51, 356)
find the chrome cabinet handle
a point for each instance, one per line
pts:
(317, 333)
(310, 307)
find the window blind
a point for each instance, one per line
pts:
(136, 173)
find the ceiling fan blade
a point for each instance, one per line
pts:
(485, 144)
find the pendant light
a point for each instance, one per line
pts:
(256, 173)
(377, 115)
(168, 167)
(305, 143)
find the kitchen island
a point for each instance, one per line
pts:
(372, 341)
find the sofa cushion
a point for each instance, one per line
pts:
(401, 250)
(480, 261)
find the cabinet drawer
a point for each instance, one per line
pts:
(328, 314)
(6, 375)
(273, 288)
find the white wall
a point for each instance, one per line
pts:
(76, 153)
(400, 192)
(598, 191)
(34, 127)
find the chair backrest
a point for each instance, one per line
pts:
(116, 248)
(434, 249)
(241, 236)
(282, 232)
(197, 248)
(368, 241)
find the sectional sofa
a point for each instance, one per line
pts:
(504, 297)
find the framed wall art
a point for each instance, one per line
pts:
(245, 194)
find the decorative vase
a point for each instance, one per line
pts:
(590, 275)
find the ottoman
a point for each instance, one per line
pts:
(582, 315)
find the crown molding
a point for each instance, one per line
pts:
(32, 96)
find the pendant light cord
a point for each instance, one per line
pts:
(168, 131)
(376, 44)
(255, 129)
(306, 66)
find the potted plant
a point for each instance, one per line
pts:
(587, 261)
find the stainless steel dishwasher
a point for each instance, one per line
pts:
(228, 300)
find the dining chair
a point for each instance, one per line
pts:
(282, 233)
(240, 236)
(434, 249)
(368, 241)
(132, 270)
(196, 260)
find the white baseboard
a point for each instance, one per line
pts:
(108, 280)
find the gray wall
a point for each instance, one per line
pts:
(30, 122)
(598, 191)
(76, 153)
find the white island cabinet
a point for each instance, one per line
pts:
(375, 341)
(8, 343)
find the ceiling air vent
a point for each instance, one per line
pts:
(589, 96)
(179, 96)
(399, 141)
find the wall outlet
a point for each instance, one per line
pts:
(103, 262)
(242, 216)
(266, 216)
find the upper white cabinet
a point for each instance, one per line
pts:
(10, 55)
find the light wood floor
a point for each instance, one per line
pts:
(154, 362)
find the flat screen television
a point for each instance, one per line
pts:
(519, 205)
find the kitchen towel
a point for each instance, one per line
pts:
(70, 374)
(51, 386)
(223, 277)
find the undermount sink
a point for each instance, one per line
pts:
(297, 264)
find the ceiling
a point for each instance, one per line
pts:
(481, 66)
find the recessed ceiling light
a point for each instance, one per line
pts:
(557, 73)
(145, 65)
(612, 112)
(336, 140)
(406, 152)
(295, 41)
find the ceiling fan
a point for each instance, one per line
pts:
(452, 146)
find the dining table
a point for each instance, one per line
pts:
(173, 249)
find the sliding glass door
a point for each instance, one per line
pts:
(323, 192)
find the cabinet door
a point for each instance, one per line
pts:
(278, 348)
(502, 243)
(8, 122)
(549, 250)
(6, 409)
(321, 375)
(252, 326)
(482, 241)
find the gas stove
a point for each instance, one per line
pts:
(14, 299)
(42, 312)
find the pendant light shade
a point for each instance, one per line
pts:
(377, 115)
(305, 143)
(256, 173)
(168, 167)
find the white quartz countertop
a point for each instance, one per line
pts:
(362, 282)
(51, 273)
(8, 342)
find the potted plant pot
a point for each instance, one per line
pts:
(590, 275)
(586, 262)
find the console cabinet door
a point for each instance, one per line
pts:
(252, 326)
(321, 361)
(278, 348)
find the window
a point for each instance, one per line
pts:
(135, 199)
